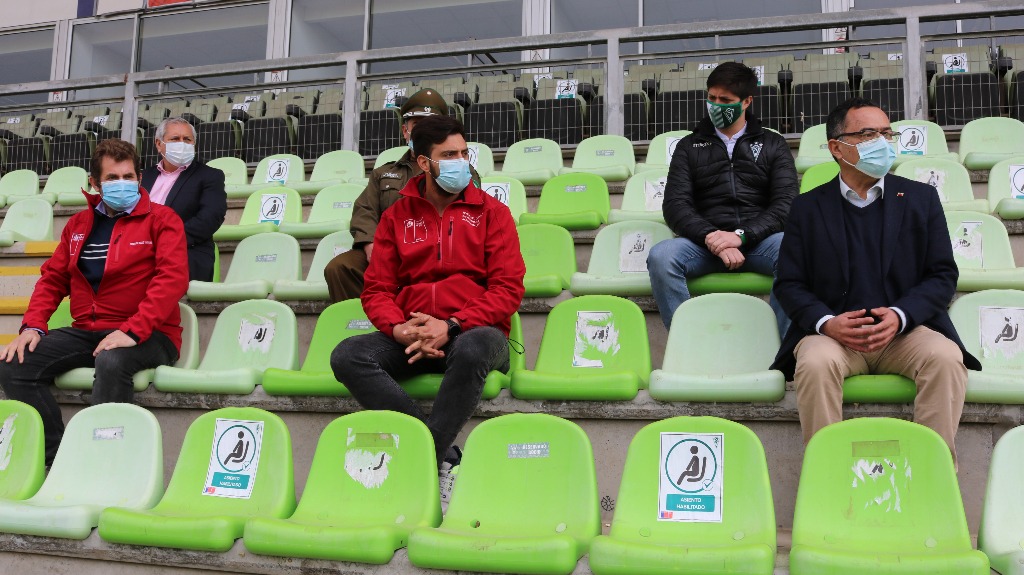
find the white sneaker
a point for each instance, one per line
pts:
(447, 475)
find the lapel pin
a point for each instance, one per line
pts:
(899, 194)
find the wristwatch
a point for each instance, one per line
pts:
(454, 328)
(743, 238)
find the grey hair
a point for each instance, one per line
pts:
(162, 128)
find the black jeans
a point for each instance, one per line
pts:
(68, 348)
(370, 364)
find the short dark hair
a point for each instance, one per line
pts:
(735, 77)
(836, 122)
(432, 130)
(117, 150)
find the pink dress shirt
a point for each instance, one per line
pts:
(164, 182)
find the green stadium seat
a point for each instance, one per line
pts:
(18, 185)
(1006, 188)
(618, 262)
(547, 512)
(314, 287)
(742, 542)
(1002, 517)
(981, 248)
(66, 184)
(950, 179)
(533, 161)
(577, 201)
(481, 157)
(390, 155)
(111, 456)
(987, 323)
(920, 139)
(731, 282)
(660, 150)
(610, 157)
(249, 337)
(642, 198)
(258, 262)
(272, 172)
(61, 317)
(880, 495)
(987, 141)
(550, 256)
(817, 175)
(506, 190)
(216, 263)
(879, 388)
(235, 171)
(594, 348)
(331, 212)
(330, 169)
(82, 378)
(813, 149)
(365, 493)
(263, 212)
(21, 450)
(27, 221)
(701, 363)
(196, 512)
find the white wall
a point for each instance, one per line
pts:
(18, 13)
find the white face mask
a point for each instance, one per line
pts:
(179, 153)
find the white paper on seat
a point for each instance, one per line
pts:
(234, 458)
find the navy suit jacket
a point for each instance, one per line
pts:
(198, 197)
(918, 270)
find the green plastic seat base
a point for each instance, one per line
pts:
(359, 181)
(901, 158)
(977, 280)
(529, 177)
(425, 386)
(767, 385)
(71, 199)
(1007, 563)
(804, 164)
(214, 533)
(738, 282)
(374, 544)
(542, 285)
(71, 522)
(245, 190)
(589, 220)
(82, 379)
(234, 291)
(287, 382)
(242, 231)
(611, 556)
(608, 174)
(995, 386)
(314, 230)
(985, 160)
(804, 560)
(448, 549)
(886, 388)
(8, 239)
(604, 386)
(312, 188)
(48, 197)
(967, 206)
(238, 381)
(633, 284)
(300, 290)
(617, 215)
(1010, 209)
(645, 167)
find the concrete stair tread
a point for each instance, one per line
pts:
(13, 305)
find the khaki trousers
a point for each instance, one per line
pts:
(344, 275)
(931, 360)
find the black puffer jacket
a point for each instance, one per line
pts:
(708, 192)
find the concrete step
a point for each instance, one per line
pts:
(18, 280)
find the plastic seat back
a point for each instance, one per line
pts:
(20, 183)
(573, 193)
(550, 255)
(21, 450)
(813, 149)
(992, 137)
(329, 247)
(919, 138)
(390, 155)
(126, 438)
(620, 249)
(506, 190)
(1002, 517)
(28, 220)
(255, 333)
(338, 165)
(533, 154)
(481, 157)
(818, 175)
(334, 203)
(979, 241)
(609, 334)
(661, 148)
(988, 323)
(602, 151)
(268, 256)
(1006, 182)
(338, 322)
(67, 180)
(645, 192)
(949, 178)
(260, 206)
(279, 168)
(235, 171)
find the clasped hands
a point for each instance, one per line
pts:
(726, 245)
(854, 329)
(423, 335)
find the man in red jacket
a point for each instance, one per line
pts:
(124, 264)
(445, 278)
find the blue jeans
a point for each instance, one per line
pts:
(672, 261)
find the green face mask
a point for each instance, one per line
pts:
(724, 115)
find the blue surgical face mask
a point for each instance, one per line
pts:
(876, 157)
(410, 146)
(453, 175)
(121, 195)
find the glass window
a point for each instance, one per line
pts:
(897, 30)
(101, 48)
(324, 27)
(204, 37)
(583, 15)
(26, 57)
(403, 23)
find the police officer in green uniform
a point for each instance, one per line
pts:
(344, 273)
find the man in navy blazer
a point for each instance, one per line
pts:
(866, 273)
(192, 189)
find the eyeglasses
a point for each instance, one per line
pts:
(871, 134)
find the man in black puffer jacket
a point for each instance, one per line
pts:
(729, 187)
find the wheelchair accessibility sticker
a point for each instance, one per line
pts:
(277, 171)
(691, 472)
(272, 208)
(234, 458)
(633, 250)
(1017, 181)
(913, 141)
(999, 331)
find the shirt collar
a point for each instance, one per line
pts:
(875, 192)
(734, 137)
(101, 208)
(164, 171)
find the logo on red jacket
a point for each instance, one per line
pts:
(76, 242)
(472, 220)
(415, 231)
